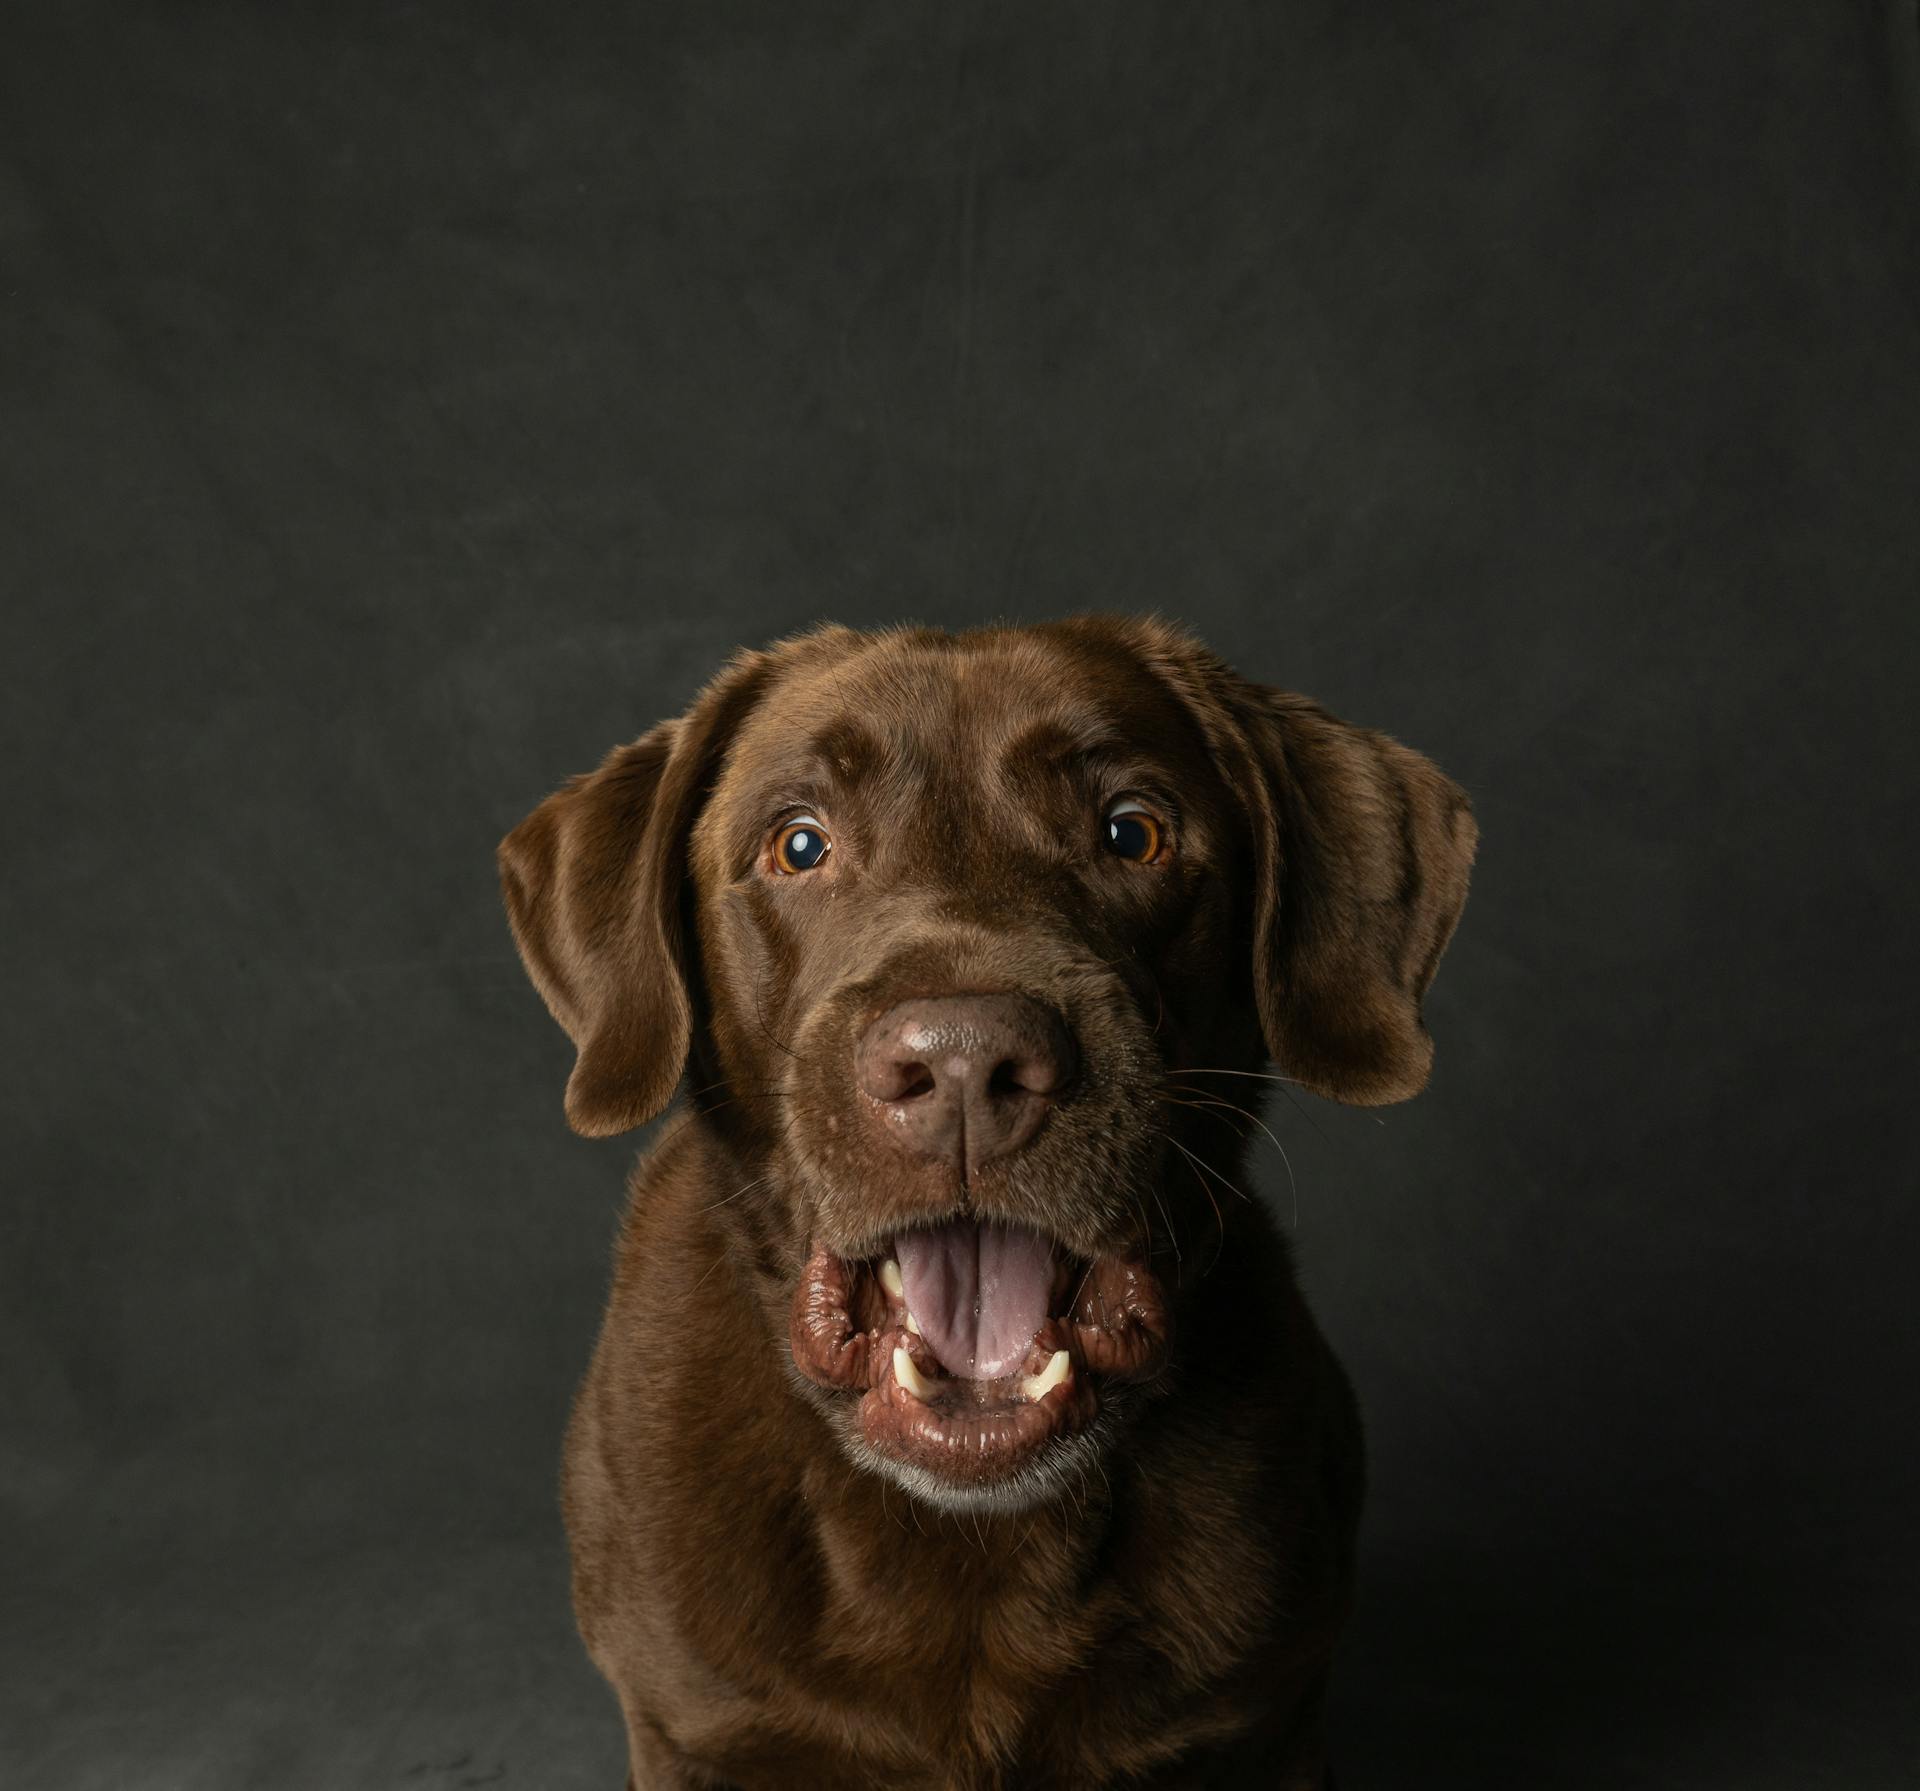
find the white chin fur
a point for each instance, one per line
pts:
(1064, 1470)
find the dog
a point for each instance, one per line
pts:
(956, 1421)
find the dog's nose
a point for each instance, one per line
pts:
(965, 1078)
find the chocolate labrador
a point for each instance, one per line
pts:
(956, 1420)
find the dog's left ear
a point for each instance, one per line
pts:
(593, 881)
(1362, 849)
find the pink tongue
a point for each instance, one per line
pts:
(978, 1293)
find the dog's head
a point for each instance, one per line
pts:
(949, 928)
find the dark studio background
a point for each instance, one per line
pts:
(402, 405)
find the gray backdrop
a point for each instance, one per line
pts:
(402, 404)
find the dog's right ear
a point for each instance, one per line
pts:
(594, 880)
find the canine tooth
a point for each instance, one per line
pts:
(890, 1280)
(1038, 1386)
(909, 1376)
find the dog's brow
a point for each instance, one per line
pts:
(849, 753)
(1045, 745)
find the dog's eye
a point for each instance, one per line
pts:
(800, 845)
(1133, 832)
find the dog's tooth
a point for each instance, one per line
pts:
(1038, 1386)
(909, 1376)
(897, 1290)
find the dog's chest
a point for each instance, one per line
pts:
(982, 1655)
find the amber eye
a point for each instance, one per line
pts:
(800, 845)
(1133, 833)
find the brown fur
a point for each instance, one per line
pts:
(770, 1611)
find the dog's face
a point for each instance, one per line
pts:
(942, 922)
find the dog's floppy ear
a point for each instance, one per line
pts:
(593, 881)
(1362, 849)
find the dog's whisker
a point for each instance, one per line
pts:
(1251, 1075)
(1219, 1218)
(693, 1094)
(1306, 1113)
(1172, 1238)
(1100, 1468)
(760, 1018)
(1286, 1085)
(757, 1182)
(1203, 1164)
(1192, 1157)
(736, 1092)
(1251, 1118)
(713, 1107)
(1293, 1184)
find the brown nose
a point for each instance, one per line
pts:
(964, 1078)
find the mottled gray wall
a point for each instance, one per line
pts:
(400, 405)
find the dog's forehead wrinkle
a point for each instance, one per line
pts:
(847, 751)
(989, 690)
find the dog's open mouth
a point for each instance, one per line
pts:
(975, 1346)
